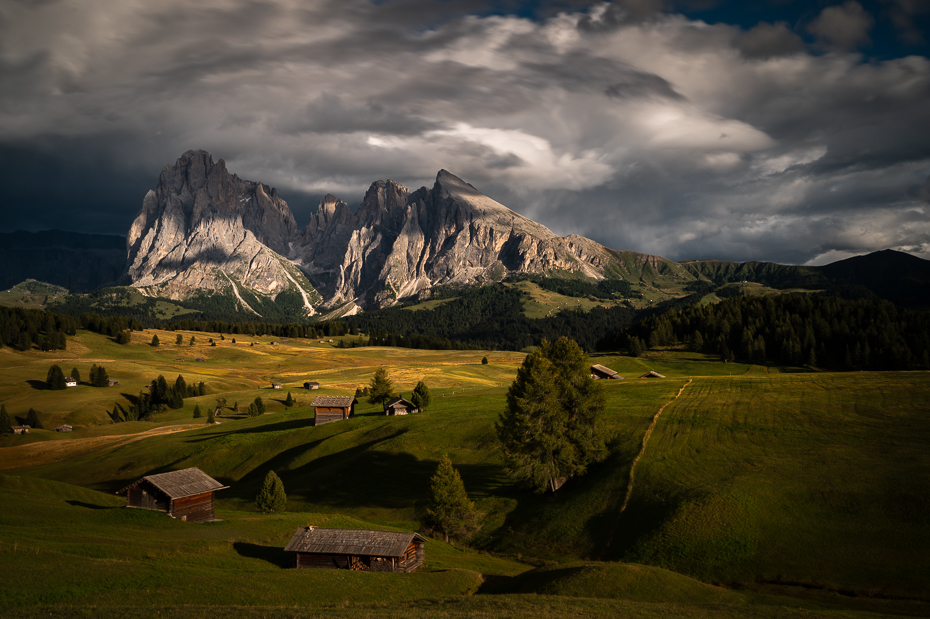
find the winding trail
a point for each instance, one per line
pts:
(642, 450)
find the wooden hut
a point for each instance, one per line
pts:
(602, 372)
(112, 383)
(357, 549)
(275, 385)
(652, 374)
(21, 429)
(63, 428)
(399, 406)
(311, 385)
(333, 408)
(186, 494)
(70, 382)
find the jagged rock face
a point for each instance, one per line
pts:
(399, 243)
(204, 229)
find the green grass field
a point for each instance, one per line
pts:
(762, 491)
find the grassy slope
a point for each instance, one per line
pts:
(751, 476)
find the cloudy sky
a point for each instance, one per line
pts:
(794, 131)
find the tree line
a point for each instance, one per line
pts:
(824, 330)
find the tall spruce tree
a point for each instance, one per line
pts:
(75, 375)
(197, 412)
(450, 511)
(289, 401)
(550, 430)
(420, 396)
(55, 378)
(6, 425)
(211, 417)
(271, 498)
(381, 388)
(32, 419)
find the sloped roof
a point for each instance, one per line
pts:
(603, 369)
(652, 374)
(352, 542)
(180, 484)
(334, 400)
(400, 402)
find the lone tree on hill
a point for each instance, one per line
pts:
(289, 401)
(550, 430)
(179, 339)
(197, 412)
(155, 340)
(381, 388)
(75, 375)
(32, 419)
(420, 396)
(6, 426)
(450, 511)
(484, 360)
(211, 418)
(55, 378)
(271, 497)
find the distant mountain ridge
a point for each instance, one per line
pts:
(207, 238)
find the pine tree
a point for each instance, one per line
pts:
(180, 385)
(420, 396)
(271, 498)
(201, 388)
(32, 419)
(6, 425)
(211, 417)
(93, 375)
(197, 412)
(259, 405)
(123, 337)
(382, 389)
(155, 340)
(75, 375)
(289, 401)
(484, 361)
(193, 340)
(550, 430)
(55, 378)
(179, 339)
(450, 511)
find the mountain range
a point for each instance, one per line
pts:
(205, 234)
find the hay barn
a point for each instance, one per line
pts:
(357, 549)
(652, 374)
(399, 406)
(186, 494)
(602, 372)
(333, 408)
(311, 385)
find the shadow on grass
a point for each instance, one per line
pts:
(90, 505)
(272, 554)
(39, 385)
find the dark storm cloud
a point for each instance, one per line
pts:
(766, 40)
(626, 121)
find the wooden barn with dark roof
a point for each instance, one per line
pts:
(186, 494)
(333, 408)
(602, 372)
(399, 406)
(357, 549)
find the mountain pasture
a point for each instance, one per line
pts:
(782, 487)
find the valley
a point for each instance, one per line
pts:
(762, 490)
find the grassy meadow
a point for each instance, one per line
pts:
(762, 491)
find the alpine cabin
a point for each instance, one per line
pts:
(357, 549)
(186, 494)
(602, 372)
(333, 408)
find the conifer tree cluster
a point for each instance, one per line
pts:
(380, 389)
(6, 424)
(420, 396)
(55, 379)
(794, 329)
(99, 376)
(22, 329)
(160, 396)
(551, 428)
(256, 408)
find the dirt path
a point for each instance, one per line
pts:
(54, 451)
(642, 450)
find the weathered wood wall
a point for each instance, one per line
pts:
(145, 496)
(195, 508)
(329, 414)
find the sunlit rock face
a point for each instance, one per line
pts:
(204, 230)
(399, 243)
